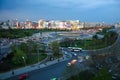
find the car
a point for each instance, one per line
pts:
(74, 54)
(69, 64)
(81, 60)
(65, 53)
(23, 76)
(54, 79)
(72, 62)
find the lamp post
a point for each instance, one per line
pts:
(0, 48)
(24, 60)
(38, 54)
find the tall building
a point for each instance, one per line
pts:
(117, 25)
(81, 25)
(40, 24)
(75, 24)
(28, 24)
(34, 25)
(14, 23)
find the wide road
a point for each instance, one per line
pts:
(46, 73)
(53, 71)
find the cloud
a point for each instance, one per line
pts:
(76, 3)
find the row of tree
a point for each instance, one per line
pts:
(94, 43)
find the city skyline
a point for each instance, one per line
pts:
(89, 11)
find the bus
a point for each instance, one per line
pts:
(75, 49)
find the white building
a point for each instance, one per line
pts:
(40, 24)
(117, 25)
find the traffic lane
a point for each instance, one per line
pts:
(54, 71)
(46, 73)
(83, 53)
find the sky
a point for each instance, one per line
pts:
(84, 10)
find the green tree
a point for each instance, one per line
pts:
(55, 48)
(83, 75)
(17, 58)
(42, 47)
(110, 37)
(1, 23)
(32, 47)
(95, 37)
(13, 48)
(103, 74)
(27, 33)
(23, 47)
(71, 71)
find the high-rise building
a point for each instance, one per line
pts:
(117, 25)
(40, 24)
(28, 24)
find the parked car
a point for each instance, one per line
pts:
(23, 77)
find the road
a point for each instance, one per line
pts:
(53, 71)
(46, 73)
(4, 51)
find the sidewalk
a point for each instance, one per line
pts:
(30, 68)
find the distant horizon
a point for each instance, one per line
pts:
(83, 10)
(56, 20)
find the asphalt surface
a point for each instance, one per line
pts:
(4, 51)
(46, 73)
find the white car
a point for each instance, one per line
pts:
(81, 60)
(69, 64)
(74, 54)
(65, 53)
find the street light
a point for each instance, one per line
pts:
(0, 47)
(38, 54)
(24, 60)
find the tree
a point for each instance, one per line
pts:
(55, 48)
(110, 37)
(71, 71)
(32, 47)
(1, 23)
(23, 47)
(95, 37)
(102, 74)
(42, 47)
(83, 75)
(27, 33)
(17, 59)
